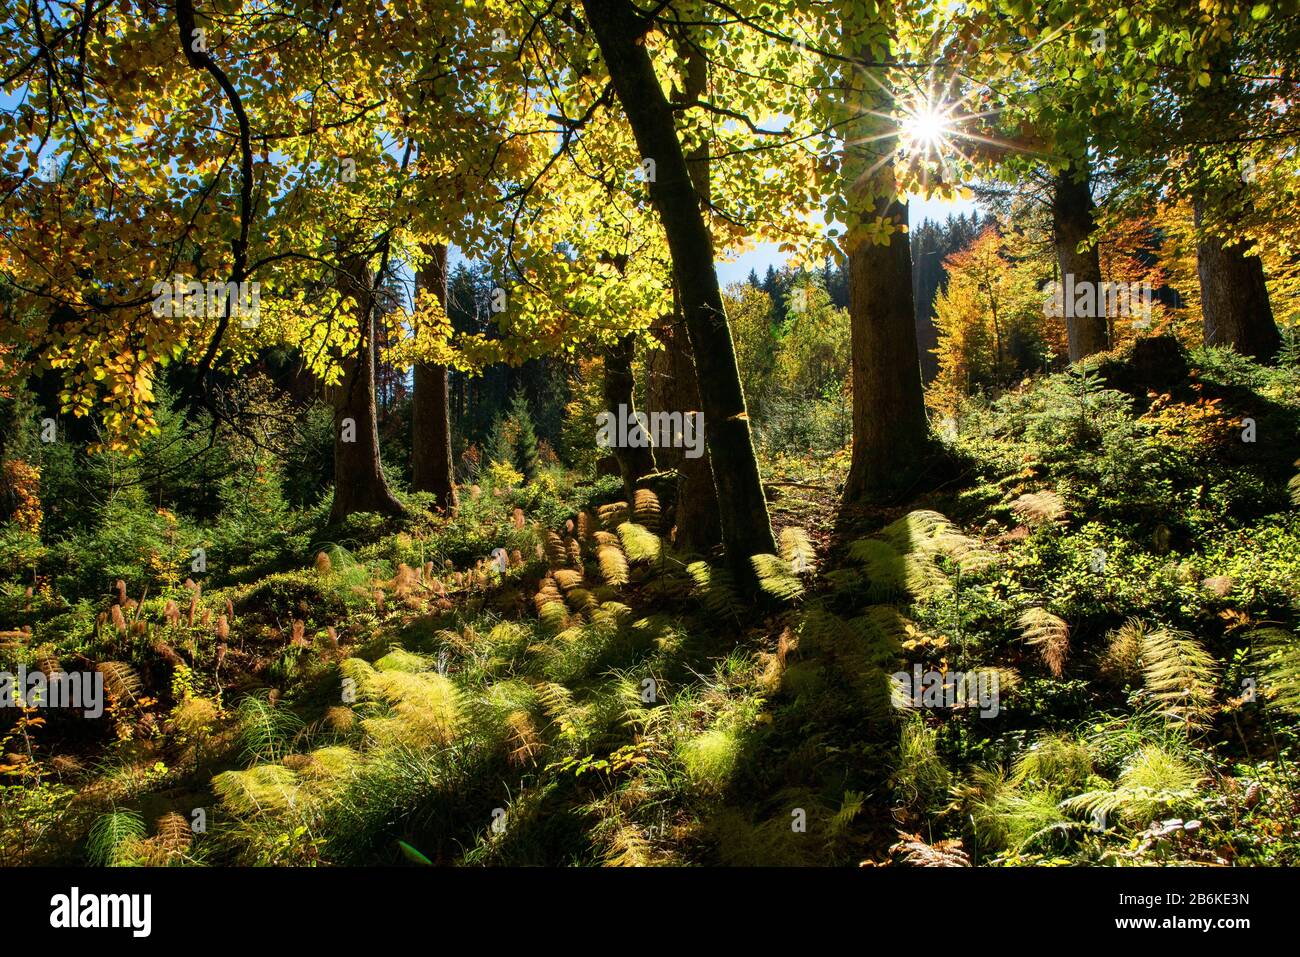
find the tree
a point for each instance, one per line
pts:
(520, 419)
(991, 319)
(674, 383)
(1073, 228)
(746, 528)
(431, 464)
(890, 429)
(359, 483)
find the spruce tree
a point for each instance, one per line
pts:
(526, 458)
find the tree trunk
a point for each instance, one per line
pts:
(746, 528)
(359, 483)
(1072, 224)
(1234, 297)
(633, 461)
(431, 465)
(673, 385)
(890, 430)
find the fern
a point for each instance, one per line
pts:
(120, 679)
(1180, 676)
(265, 728)
(613, 564)
(1050, 633)
(1154, 782)
(628, 847)
(557, 554)
(714, 587)
(567, 578)
(639, 542)
(1122, 659)
(914, 528)
(112, 836)
(850, 807)
(892, 574)
(263, 788)
(554, 617)
(776, 577)
(645, 509)
(797, 549)
(915, 851)
(1277, 655)
(612, 515)
(1039, 508)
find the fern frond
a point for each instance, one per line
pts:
(613, 564)
(1039, 508)
(567, 578)
(120, 679)
(522, 740)
(581, 599)
(639, 542)
(969, 553)
(776, 577)
(612, 515)
(111, 835)
(557, 554)
(882, 629)
(1051, 634)
(588, 525)
(628, 847)
(260, 789)
(554, 617)
(1180, 676)
(714, 587)
(645, 509)
(797, 549)
(914, 528)
(1277, 655)
(426, 709)
(173, 834)
(1153, 783)
(915, 851)
(265, 728)
(850, 807)
(547, 593)
(1122, 659)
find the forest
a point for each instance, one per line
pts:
(690, 433)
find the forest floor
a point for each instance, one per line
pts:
(1105, 550)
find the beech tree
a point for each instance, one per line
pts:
(431, 465)
(746, 528)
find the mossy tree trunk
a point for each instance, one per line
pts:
(743, 516)
(431, 463)
(359, 483)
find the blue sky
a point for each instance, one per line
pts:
(766, 254)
